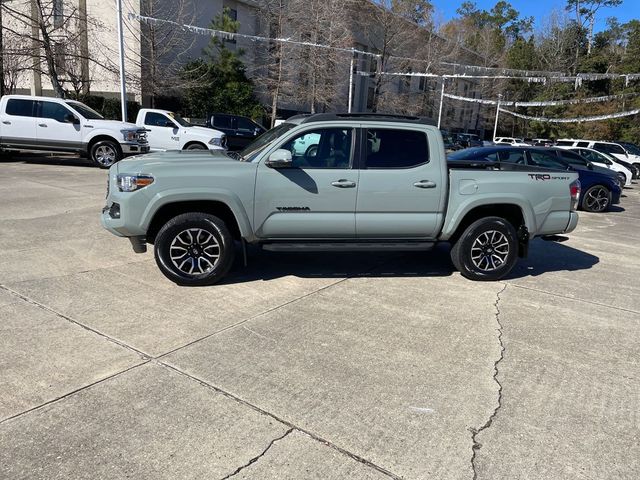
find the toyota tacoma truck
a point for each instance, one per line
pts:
(169, 131)
(373, 182)
(61, 125)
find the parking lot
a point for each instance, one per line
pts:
(309, 366)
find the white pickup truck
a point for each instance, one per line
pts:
(61, 125)
(169, 131)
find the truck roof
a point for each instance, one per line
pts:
(328, 117)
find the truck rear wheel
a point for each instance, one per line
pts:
(105, 153)
(194, 249)
(486, 250)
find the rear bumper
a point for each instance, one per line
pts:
(573, 222)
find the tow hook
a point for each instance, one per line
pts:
(523, 241)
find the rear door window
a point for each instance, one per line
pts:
(513, 156)
(222, 121)
(582, 144)
(21, 107)
(572, 158)
(391, 148)
(546, 160)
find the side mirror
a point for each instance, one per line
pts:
(71, 118)
(257, 131)
(590, 165)
(281, 158)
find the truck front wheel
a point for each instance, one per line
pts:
(486, 250)
(194, 249)
(105, 153)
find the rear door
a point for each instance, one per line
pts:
(53, 128)
(402, 184)
(19, 123)
(316, 198)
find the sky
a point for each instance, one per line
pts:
(538, 9)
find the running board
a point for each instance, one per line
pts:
(347, 246)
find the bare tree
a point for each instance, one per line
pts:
(57, 33)
(164, 46)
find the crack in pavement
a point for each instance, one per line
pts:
(258, 457)
(260, 410)
(475, 431)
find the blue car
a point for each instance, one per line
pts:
(599, 190)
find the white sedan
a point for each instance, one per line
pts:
(603, 160)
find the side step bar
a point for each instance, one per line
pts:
(347, 246)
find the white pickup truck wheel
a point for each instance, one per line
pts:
(105, 153)
(194, 249)
(487, 249)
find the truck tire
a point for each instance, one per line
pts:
(596, 199)
(487, 249)
(195, 146)
(105, 153)
(194, 249)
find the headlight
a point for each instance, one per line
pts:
(130, 135)
(131, 183)
(218, 141)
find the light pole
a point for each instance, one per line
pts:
(123, 86)
(350, 82)
(441, 102)
(495, 127)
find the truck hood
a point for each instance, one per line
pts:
(112, 124)
(180, 159)
(204, 132)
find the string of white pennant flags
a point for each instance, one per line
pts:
(234, 36)
(542, 103)
(577, 80)
(596, 118)
(532, 76)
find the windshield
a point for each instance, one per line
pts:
(85, 111)
(252, 150)
(179, 119)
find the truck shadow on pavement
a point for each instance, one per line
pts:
(544, 256)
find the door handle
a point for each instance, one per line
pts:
(6, 122)
(42, 124)
(343, 183)
(425, 184)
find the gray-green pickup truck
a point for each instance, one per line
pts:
(330, 182)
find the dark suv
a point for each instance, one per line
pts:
(240, 131)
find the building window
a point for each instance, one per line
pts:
(58, 13)
(370, 96)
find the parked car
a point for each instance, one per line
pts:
(59, 125)
(450, 144)
(575, 160)
(516, 142)
(600, 191)
(467, 140)
(167, 130)
(240, 131)
(615, 149)
(542, 142)
(373, 183)
(604, 160)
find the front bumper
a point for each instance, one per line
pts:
(133, 148)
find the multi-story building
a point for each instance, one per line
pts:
(83, 40)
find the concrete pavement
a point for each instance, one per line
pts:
(309, 366)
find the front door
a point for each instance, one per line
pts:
(402, 186)
(316, 198)
(54, 127)
(162, 132)
(19, 123)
